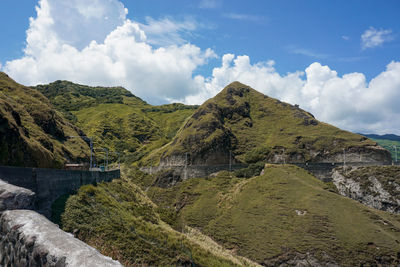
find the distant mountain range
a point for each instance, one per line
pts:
(391, 137)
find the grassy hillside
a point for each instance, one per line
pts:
(256, 127)
(32, 132)
(284, 214)
(118, 219)
(389, 145)
(116, 119)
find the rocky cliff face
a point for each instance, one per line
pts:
(374, 186)
(252, 127)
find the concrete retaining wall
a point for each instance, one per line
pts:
(194, 171)
(50, 184)
(322, 170)
(29, 239)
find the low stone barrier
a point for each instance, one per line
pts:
(13, 197)
(29, 239)
(50, 184)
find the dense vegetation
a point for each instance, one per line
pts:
(254, 127)
(281, 214)
(32, 132)
(116, 119)
(118, 219)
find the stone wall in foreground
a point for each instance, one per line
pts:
(29, 239)
(50, 184)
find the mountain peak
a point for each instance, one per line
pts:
(236, 88)
(250, 126)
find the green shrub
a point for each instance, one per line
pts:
(253, 169)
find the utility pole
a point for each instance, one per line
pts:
(106, 159)
(230, 160)
(91, 147)
(91, 153)
(344, 158)
(395, 153)
(186, 163)
(119, 165)
(283, 156)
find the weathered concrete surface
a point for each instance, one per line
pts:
(13, 197)
(29, 239)
(50, 184)
(181, 172)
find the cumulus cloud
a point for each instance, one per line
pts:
(121, 56)
(373, 37)
(100, 46)
(347, 101)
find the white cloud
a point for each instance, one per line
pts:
(167, 31)
(373, 37)
(246, 17)
(345, 37)
(210, 3)
(349, 101)
(123, 56)
(307, 52)
(111, 50)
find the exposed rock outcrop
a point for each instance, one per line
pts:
(13, 197)
(374, 186)
(29, 239)
(301, 260)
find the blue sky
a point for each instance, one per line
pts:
(331, 57)
(292, 33)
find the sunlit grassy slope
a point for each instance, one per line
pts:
(32, 132)
(389, 145)
(244, 121)
(118, 219)
(116, 119)
(271, 217)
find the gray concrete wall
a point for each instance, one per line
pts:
(194, 171)
(29, 239)
(322, 170)
(50, 184)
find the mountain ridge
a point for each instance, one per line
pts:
(250, 126)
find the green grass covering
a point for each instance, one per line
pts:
(256, 127)
(116, 119)
(32, 132)
(58, 208)
(389, 145)
(258, 218)
(118, 219)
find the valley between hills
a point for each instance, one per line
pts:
(269, 212)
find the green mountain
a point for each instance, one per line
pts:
(251, 127)
(285, 216)
(387, 141)
(116, 119)
(32, 132)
